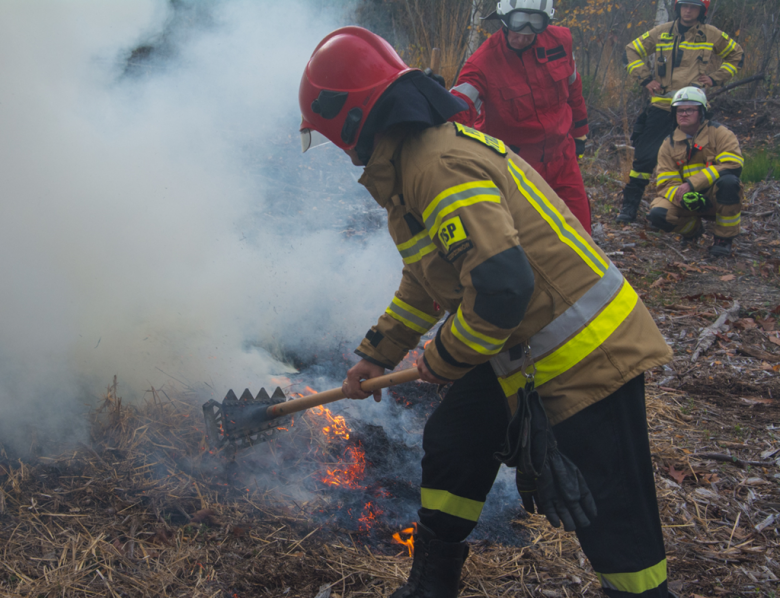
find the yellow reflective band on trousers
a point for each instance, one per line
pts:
(555, 219)
(410, 316)
(456, 197)
(481, 343)
(635, 583)
(728, 220)
(457, 506)
(581, 345)
(689, 227)
(416, 248)
(640, 175)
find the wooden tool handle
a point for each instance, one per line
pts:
(335, 394)
(435, 60)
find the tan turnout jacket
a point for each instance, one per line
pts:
(703, 50)
(456, 199)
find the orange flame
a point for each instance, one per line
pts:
(370, 516)
(408, 542)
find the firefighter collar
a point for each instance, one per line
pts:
(379, 175)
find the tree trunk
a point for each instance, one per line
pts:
(661, 14)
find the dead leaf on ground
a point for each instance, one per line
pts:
(767, 324)
(728, 277)
(745, 323)
(774, 339)
(677, 476)
(658, 283)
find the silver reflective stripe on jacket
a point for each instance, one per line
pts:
(468, 90)
(557, 332)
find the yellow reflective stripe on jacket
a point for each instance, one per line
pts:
(640, 49)
(410, 316)
(728, 220)
(727, 66)
(690, 170)
(416, 248)
(657, 100)
(712, 174)
(441, 500)
(555, 219)
(672, 175)
(589, 338)
(670, 192)
(729, 47)
(456, 197)
(729, 157)
(635, 65)
(696, 46)
(635, 583)
(664, 46)
(481, 343)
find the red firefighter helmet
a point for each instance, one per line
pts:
(705, 4)
(347, 73)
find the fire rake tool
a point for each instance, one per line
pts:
(242, 422)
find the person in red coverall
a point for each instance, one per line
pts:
(522, 87)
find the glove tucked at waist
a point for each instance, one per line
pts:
(545, 478)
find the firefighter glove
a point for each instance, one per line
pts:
(438, 78)
(525, 446)
(579, 147)
(694, 201)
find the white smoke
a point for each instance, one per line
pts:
(157, 220)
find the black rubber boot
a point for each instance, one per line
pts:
(436, 568)
(720, 247)
(632, 196)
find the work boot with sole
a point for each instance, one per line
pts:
(631, 199)
(692, 240)
(720, 247)
(436, 567)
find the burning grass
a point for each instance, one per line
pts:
(147, 511)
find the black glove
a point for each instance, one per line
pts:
(694, 201)
(579, 147)
(438, 78)
(545, 477)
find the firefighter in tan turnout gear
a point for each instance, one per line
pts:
(523, 294)
(685, 52)
(698, 176)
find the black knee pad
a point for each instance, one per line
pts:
(727, 192)
(657, 218)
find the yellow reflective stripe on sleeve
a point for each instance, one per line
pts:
(634, 65)
(410, 317)
(457, 506)
(657, 100)
(555, 219)
(481, 343)
(589, 338)
(728, 220)
(726, 66)
(416, 248)
(712, 174)
(637, 582)
(640, 175)
(689, 171)
(729, 157)
(728, 49)
(669, 176)
(670, 192)
(640, 49)
(456, 197)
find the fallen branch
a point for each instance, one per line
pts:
(707, 335)
(731, 459)
(736, 84)
(759, 354)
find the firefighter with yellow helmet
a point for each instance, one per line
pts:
(538, 328)
(699, 166)
(685, 52)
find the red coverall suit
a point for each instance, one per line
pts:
(532, 100)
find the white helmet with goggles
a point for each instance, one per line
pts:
(690, 96)
(521, 15)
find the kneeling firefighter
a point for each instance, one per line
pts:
(699, 166)
(526, 298)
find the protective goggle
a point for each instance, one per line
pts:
(518, 20)
(311, 138)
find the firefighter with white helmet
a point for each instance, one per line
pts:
(699, 166)
(538, 328)
(664, 60)
(522, 87)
